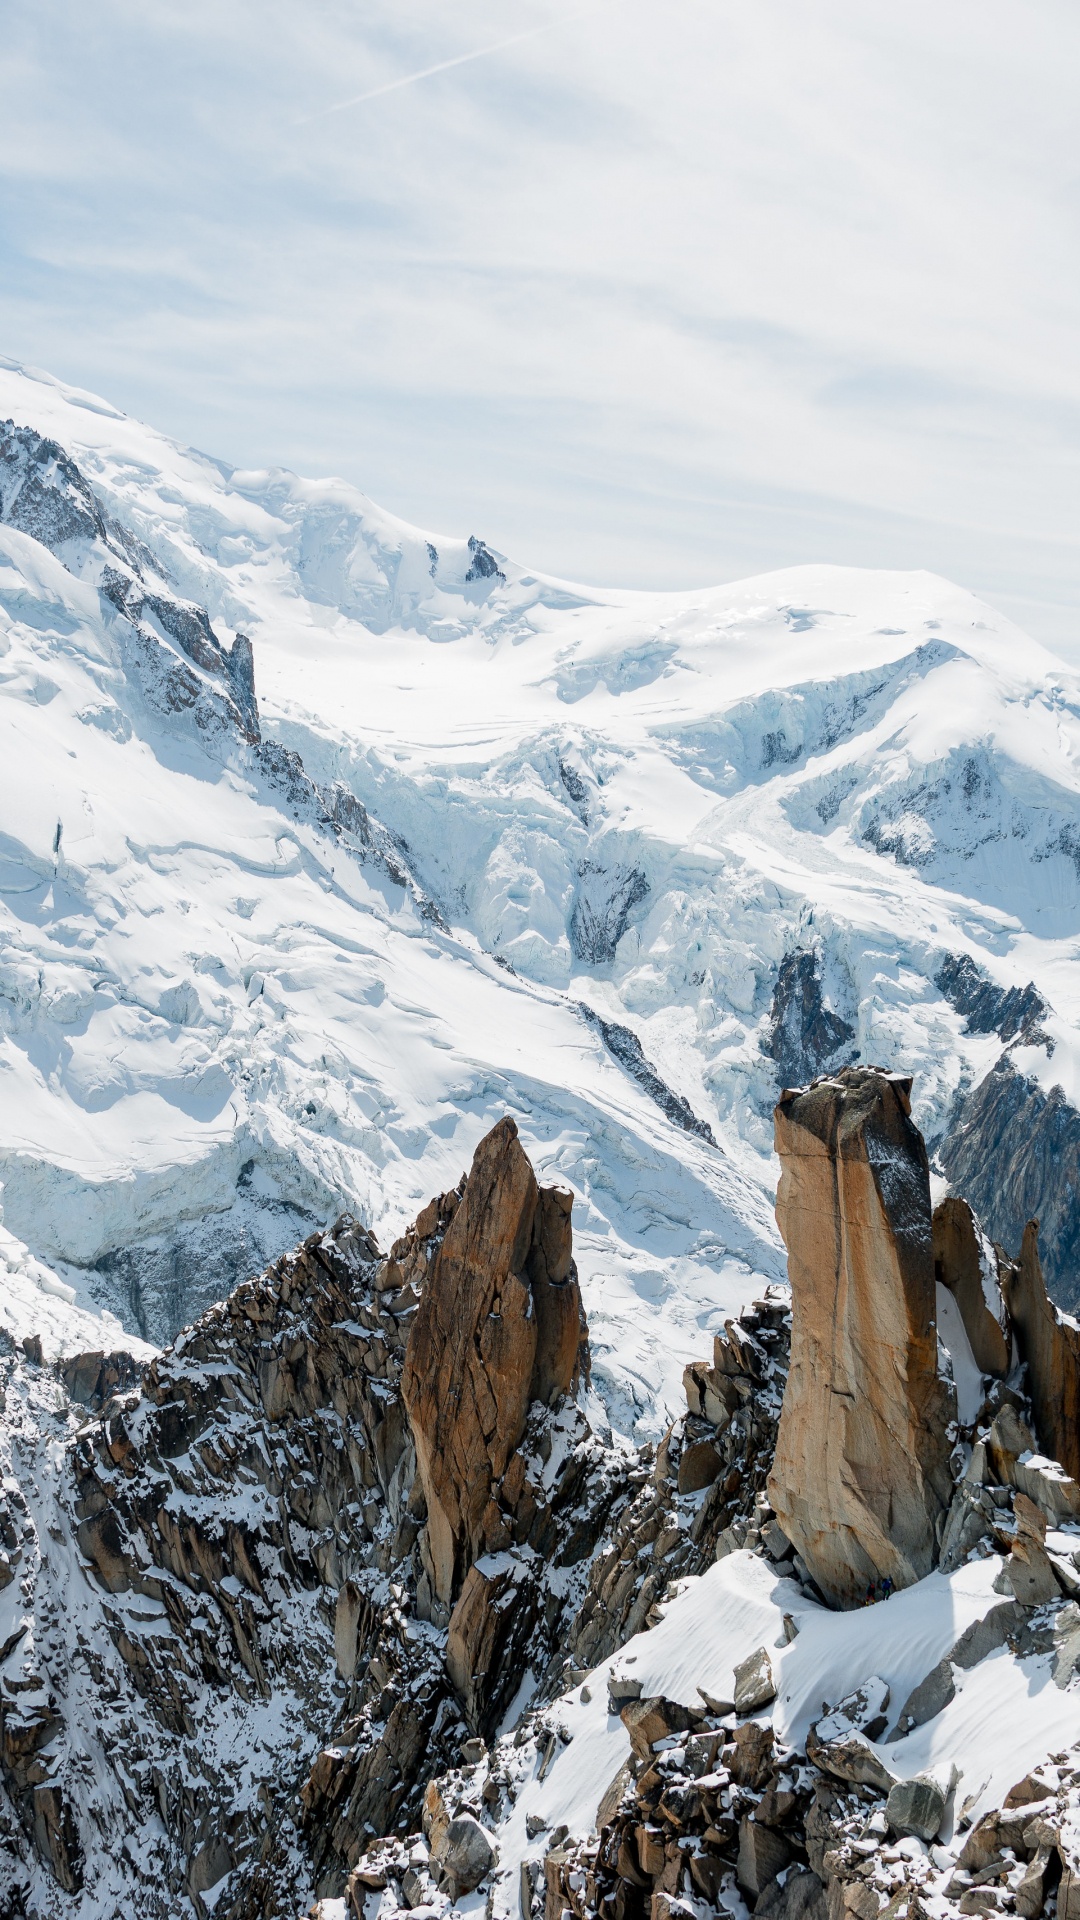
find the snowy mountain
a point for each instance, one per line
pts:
(325, 844)
(325, 841)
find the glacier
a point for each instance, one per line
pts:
(325, 841)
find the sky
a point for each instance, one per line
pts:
(641, 295)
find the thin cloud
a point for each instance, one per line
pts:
(426, 73)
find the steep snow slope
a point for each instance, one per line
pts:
(627, 862)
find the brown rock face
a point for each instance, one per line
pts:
(963, 1262)
(861, 1477)
(1050, 1343)
(499, 1325)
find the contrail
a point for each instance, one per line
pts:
(425, 73)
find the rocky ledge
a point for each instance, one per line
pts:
(326, 1603)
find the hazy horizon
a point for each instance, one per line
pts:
(640, 302)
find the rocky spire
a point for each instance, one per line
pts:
(500, 1324)
(861, 1476)
(1050, 1343)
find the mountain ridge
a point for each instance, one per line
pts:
(657, 807)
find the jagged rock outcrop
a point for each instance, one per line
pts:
(804, 1036)
(500, 1324)
(604, 901)
(861, 1480)
(988, 1008)
(710, 1806)
(1050, 1344)
(252, 1583)
(1013, 1148)
(965, 1263)
(624, 1044)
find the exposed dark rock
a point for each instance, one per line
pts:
(240, 666)
(605, 899)
(988, 1008)
(626, 1047)
(92, 1378)
(804, 1037)
(483, 565)
(916, 1806)
(42, 491)
(575, 786)
(1014, 1151)
(167, 1281)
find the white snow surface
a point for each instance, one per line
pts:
(221, 1024)
(1006, 1716)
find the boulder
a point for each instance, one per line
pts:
(971, 1517)
(699, 1465)
(463, 1855)
(1002, 1827)
(1030, 1891)
(928, 1699)
(709, 1394)
(861, 1478)
(655, 1719)
(754, 1758)
(917, 1806)
(499, 1324)
(1028, 1574)
(964, 1263)
(1050, 1343)
(763, 1853)
(849, 1757)
(801, 1896)
(1066, 1643)
(1007, 1441)
(1051, 1488)
(621, 1689)
(91, 1378)
(350, 1609)
(755, 1684)
(864, 1710)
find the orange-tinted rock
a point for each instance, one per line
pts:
(499, 1324)
(861, 1478)
(1050, 1343)
(964, 1263)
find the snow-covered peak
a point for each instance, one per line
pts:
(286, 926)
